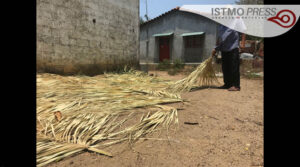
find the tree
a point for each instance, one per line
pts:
(142, 20)
(249, 37)
(250, 2)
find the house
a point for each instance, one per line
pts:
(86, 36)
(177, 34)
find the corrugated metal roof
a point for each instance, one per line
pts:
(175, 9)
(185, 8)
(192, 34)
(163, 34)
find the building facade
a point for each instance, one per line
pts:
(86, 36)
(177, 34)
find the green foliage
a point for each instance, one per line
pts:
(164, 65)
(249, 37)
(172, 69)
(178, 64)
(252, 75)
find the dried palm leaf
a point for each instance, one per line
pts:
(204, 75)
(78, 113)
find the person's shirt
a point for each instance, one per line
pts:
(228, 39)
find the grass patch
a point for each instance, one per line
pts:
(252, 75)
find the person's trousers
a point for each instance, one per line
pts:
(231, 68)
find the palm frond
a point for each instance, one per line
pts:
(204, 75)
(92, 111)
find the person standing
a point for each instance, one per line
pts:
(228, 44)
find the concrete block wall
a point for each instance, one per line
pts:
(87, 36)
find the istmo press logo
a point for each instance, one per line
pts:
(285, 18)
(255, 20)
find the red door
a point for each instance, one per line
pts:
(164, 48)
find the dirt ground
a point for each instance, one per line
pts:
(229, 133)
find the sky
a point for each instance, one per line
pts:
(158, 7)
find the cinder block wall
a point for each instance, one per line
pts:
(87, 36)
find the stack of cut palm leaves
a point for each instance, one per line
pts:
(78, 113)
(204, 75)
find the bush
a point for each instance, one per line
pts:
(178, 64)
(164, 65)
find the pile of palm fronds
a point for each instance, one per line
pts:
(94, 131)
(78, 113)
(204, 75)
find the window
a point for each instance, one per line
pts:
(193, 42)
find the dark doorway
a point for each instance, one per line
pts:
(164, 48)
(193, 50)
